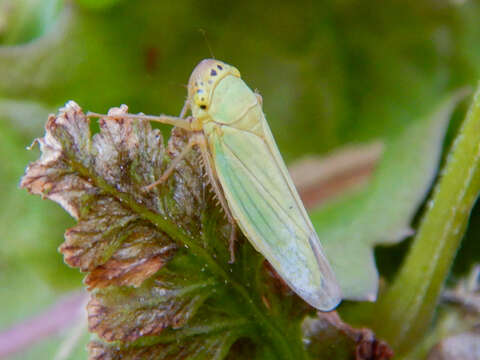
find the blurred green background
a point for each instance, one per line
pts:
(330, 72)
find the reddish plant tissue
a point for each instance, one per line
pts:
(157, 262)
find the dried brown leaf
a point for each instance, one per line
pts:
(138, 258)
(102, 228)
(78, 171)
(329, 337)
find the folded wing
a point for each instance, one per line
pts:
(268, 209)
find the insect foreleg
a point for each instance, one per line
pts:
(164, 119)
(212, 176)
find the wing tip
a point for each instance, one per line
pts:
(326, 299)
(330, 294)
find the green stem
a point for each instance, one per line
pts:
(277, 338)
(404, 313)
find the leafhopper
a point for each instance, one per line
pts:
(250, 179)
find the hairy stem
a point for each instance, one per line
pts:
(404, 313)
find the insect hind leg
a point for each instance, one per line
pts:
(173, 165)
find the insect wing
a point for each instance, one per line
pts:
(268, 209)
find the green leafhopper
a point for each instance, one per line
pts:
(251, 180)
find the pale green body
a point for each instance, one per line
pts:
(261, 194)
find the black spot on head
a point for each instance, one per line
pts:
(213, 72)
(203, 107)
(219, 67)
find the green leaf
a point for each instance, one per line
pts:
(382, 213)
(423, 274)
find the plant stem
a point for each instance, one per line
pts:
(404, 313)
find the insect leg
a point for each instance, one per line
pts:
(164, 119)
(191, 142)
(210, 169)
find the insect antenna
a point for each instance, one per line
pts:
(204, 33)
